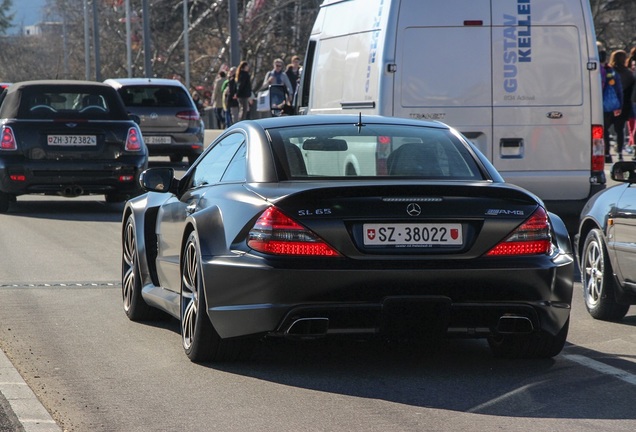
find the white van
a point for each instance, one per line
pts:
(520, 78)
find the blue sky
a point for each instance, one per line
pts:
(27, 12)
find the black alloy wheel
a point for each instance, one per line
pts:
(200, 340)
(134, 305)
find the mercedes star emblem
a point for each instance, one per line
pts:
(413, 209)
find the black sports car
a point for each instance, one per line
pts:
(309, 226)
(607, 247)
(68, 138)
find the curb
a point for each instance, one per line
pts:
(28, 410)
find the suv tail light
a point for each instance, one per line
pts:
(133, 143)
(275, 233)
(8, 139)
(530, 238)
(189, 115)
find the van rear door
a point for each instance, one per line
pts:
(444, 66)
(541, 97)
(509, 74)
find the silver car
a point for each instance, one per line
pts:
(170, 122)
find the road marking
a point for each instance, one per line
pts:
(25, 405)
(62, 284)
(602, 368)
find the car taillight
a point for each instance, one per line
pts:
(598, 148)
(530, 238)
(189, 115)
(275, 233)
(8, 139)
(133, 143)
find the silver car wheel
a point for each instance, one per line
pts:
(594, 270)
(600, 285)
(129, 274)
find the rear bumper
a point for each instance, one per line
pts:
(84, 176)
(461, 301)
(183, 144)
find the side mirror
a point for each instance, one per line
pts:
(157, 179)
(624, 172)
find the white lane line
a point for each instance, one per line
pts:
(602, 368)
(23, 402)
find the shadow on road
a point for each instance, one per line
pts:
(459, 375)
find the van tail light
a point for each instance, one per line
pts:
(598, 148)
(277, 234)
(133, 141)
(8, 139)
(189, 115)
(531, 238)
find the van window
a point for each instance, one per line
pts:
(462, 79)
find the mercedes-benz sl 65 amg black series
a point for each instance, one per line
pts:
(606, 247)
(310, 226)
(68, 138)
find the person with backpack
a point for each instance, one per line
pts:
(612, 104)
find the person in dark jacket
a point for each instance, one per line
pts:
(230, 103)
(243, 90)
(618, 61)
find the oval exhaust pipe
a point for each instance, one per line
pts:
(514, 324)
(308, 328)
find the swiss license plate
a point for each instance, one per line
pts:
(413, 234)
(72, 140)
(157, 140)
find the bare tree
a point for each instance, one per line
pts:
(614, 22)
(268, 29)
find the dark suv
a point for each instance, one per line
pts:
(68, 138)
(170, 121)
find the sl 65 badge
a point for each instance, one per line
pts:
(315, 212)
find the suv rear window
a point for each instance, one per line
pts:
(155, 96)
(70, 102)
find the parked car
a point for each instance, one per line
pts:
(269, 234)
(607, 247)
(170, 121)
(68, 138)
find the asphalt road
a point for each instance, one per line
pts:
(63, 328)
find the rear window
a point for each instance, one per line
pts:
(67, 102)
(376, 151)
(155, 96)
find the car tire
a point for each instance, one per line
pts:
(599, 283)
(134, 305)
(115, 198)
(192, 159)
(200, 340)
(176, 158)
(5, 199)
(540, 344)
